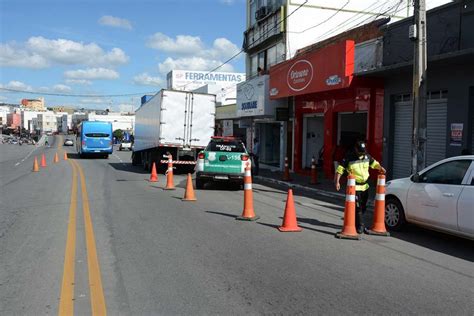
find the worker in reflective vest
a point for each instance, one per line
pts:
(357, 162)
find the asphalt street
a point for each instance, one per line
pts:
(143, 250)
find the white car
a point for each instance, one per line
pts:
(68, 142)
(440, 197)
(125, 145)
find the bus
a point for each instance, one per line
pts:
(94, 138)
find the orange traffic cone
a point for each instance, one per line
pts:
(43, 161)
(289, 219)
(154, 175)
(169, 174)
(65, 155)
(349, 230)
(189, 193)
(378, 226)
(248, 213)
(35, 165)
(56, 158)
(314, 172)
(286, 172)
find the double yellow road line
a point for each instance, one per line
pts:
(97, 299)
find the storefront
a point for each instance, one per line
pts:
(257, 113)
(331, 106)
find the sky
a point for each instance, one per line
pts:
(112, 47)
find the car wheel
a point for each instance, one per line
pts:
(199, 184)
(394, 214)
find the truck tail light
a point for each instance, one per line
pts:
(244, 157)
(201, 156)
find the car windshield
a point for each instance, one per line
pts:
(234, 146)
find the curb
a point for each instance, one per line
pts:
(302, 187)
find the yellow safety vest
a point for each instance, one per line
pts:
(360, 170)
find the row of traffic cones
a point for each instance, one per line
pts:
(378, 227)
(43, 161)
(314, 172)
(248, 213)
(189, 192)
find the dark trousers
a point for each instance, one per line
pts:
(361, 206)
(255, 165)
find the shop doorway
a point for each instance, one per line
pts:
(313, 139)
(351, 128)
(269, 144)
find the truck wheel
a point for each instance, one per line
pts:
(199, 184)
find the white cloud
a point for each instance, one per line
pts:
(228, 2)
(17, 85)
(96, 101)
(92, 74)
(187, 45)
(145, 79)
(115, 22)
(192, 53)
(61, 88)
(193, 63)
(183, 44)
(78, 81)
(13, 56)
(39, 52)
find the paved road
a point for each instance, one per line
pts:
(158, 255)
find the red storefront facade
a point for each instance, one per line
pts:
(332, 107)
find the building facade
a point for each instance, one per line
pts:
(34, 104)
(276, 31)
(450, 87)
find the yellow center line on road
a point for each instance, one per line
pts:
(95, 282)
(66, 303)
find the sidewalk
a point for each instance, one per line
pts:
(324, 187)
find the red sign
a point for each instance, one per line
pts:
(328, 68)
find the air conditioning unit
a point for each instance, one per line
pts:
(261, 13)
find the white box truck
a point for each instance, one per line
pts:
(173, 122)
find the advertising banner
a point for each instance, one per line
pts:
(456, 134)
(328, 68)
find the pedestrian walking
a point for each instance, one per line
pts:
(357, 162)
(255, 155)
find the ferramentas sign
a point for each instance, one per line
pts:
(190, 79)
(328, 68)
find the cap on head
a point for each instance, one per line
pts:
(361, 147)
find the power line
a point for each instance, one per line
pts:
(320, 23)
(77, 95)
(258, 39)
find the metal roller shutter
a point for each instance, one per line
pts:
(437, 113)
(436, 135)
(402, 140)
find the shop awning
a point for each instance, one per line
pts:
(328, 68)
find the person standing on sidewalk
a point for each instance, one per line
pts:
(255, 155)
(357, 162)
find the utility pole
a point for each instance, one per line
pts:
(418, 33)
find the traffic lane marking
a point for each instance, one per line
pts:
(97, 298)
(66, 303)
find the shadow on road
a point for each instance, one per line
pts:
(436, 241)
(222, 214)
(315, 222)
(127, 167)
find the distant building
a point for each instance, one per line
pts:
(119, 121)
(62, 108)
(13, 120)
(34, 104)
(47, 122)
